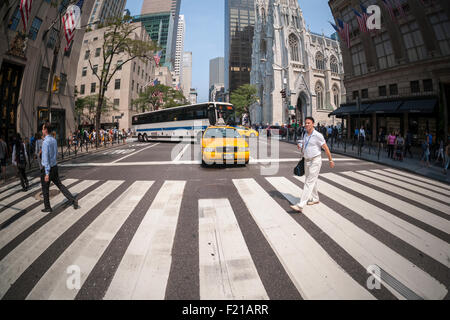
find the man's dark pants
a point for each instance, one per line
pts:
(54, 177)
(23, 176)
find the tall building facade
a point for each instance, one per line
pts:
(130, 80)
(105, 9)
(155, 10)
(288, 57)
(239, 29)
(216, 78)
(401, 73)
(187, 73)
(180, 48)
(25, 70)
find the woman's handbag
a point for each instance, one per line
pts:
(299, 170)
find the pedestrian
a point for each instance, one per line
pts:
(391, 143)
(399, 144)
(408, 143)
(38, 149)
(440, 154)
(313, 142)
(425, 153)
(20, 160)
(49, 172)
(447, 156)
(3, 156)
(362, 136)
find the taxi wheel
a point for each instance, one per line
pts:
(204, 164)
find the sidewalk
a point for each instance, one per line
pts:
(413, 165)
(67, 155)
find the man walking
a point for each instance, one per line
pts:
(49, 170)
(3, 156)
(313, 142)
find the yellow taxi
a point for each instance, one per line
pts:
(224, 144)
(247, 132)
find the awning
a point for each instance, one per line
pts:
(345, 110)
(423, 106)
(384, 107)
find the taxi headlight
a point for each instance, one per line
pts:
(243, 149)
(209, 149)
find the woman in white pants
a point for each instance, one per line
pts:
(313, 142)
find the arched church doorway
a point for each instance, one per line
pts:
(300, 110)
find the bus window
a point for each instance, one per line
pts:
(212, 116)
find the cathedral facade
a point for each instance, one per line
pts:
(287, 57)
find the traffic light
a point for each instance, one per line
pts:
(283, 93)
(56, 81)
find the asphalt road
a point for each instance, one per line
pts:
(155, 224)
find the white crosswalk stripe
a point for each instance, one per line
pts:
(144, 269)
(226, 267)
(9, 191)
(367, 250)
(417, 177)
(89, 246)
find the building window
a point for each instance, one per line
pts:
(87, 54)
(358, 60)
(95, 69)
(82, 89)
(364, 93)
(116, 102)
(52, 38)
(97, 52)
(336, 96)
(384, 51)
(132, 85)
(62, 83)
(320, 61)
(382, 91)
(393, 89)
(412, 37)
(415, 87)
(93, 87)
(334, 65)
(355, 95)
(95, 39)
(441, 26)
(119, 65)
(319, 95)
(117, 84)
(43, 79)
(15, 19)
(428, 85)
(134, 66)
(137, 87)
(35, 26)
(294, 47)
(84, 72)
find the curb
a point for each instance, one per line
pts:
(384, 164)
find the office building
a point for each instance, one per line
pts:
(239, 29)
(179, 49)
(216, 71)
(401, 73)
(187, 74)
(105, 9)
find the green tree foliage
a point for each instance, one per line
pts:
(86, 107)
(242, 98)
(118, 39)
(159, 97)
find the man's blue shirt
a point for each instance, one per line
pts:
(49, 153)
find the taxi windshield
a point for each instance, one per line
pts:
(222, 133)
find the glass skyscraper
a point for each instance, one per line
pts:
(239, 27)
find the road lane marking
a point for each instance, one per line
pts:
(17, 227)
(178, 157)
(227, 270)
(87, 249)
(393, 202)
(144, 269)
(402, 192)
(417, 177)
(314, 273)
(363, 247)
(413, 188)
(132, 154)
(412, 181)
(18, 260)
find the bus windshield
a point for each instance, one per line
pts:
(226, 113)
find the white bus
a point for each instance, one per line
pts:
(181, 123)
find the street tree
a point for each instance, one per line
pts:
(118, 40)
(86, 107)
(159, 97)
(242, 98)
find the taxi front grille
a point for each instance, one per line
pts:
(226, 149)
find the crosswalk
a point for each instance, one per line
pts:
(383, 218)
(119, 151)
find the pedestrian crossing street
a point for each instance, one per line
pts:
(384, 218)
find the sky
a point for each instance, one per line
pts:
(205, 29)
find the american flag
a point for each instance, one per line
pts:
(389, 8)
(361, 21)
(160, 95)
(344, 32)
(70, 20)
(157, 57)
(25, 10)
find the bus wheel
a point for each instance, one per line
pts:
(140, 138)
(145, 138)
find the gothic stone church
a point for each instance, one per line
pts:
(287, 56)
